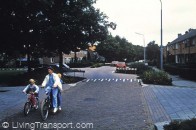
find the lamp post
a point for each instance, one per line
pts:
(144, 45)
(161, 47)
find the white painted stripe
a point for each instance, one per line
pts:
(123, 80)
(101, 80)
(73, 84)
(131, 80)
(109, 80)
(95, 80)
(87, 80)
(116, 80)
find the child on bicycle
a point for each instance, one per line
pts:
(32, 89)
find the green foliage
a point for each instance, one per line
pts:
(119, 49)
(184, 71)
(152, 51)
(80, 65)
(181, 125)
(42, 27)
(96, 65)
(18, 78)
(6, 76)
(156, 77)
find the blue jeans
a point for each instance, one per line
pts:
(54, 93)
(54, 97)
(59, 98)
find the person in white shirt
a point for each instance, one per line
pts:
(53, 85)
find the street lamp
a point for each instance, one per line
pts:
(161, 47)
(144, 45)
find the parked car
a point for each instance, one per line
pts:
(121, 65)
(64, 67)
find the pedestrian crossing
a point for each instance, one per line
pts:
(113, 80)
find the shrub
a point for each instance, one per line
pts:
(80, 65)
(156, 77)
(181, 70)
(39, 75)
(97, 65)
(181, 125)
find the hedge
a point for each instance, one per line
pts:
(188, 73)
(156, 77)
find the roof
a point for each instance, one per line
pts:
(191, 33)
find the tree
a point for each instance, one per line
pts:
(117, 48)
(58, 26)
(74, 24)
(152, 51)
(19, 26)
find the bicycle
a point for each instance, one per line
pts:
(29, 105)
(46, 105)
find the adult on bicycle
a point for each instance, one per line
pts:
(32, 89)
(53, 84)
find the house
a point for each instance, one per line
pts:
(67, 58)
(89, 54)
(183, 49)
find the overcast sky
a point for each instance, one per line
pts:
(143, 16)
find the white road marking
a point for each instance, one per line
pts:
(109, 80)
(101, 80)
(87, 80)
(72, 85)
(116, 80)
(131, 80)
(95, 80)
(123, 80)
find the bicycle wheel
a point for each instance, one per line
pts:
(37, 104)
(44, 109)
(27, 108)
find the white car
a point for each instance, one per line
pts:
(65, 66)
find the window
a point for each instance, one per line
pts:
(52, 60)
(176, 46)
(193, 42)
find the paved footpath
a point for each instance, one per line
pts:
(166, 103)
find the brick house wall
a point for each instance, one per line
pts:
(184, 50)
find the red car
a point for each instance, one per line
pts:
(121, 65)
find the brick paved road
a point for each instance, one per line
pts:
(108, 104)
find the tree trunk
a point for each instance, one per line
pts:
(28, 60)
(61, 61)
(75, 57)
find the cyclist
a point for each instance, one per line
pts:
(32, 89)
(53, 84)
